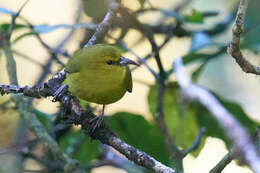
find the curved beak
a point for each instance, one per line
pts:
(126, 61)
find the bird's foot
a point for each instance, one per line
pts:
(95, 123)
(60, 91)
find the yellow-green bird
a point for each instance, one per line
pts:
(99, 74)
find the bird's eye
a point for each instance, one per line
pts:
(109, 62)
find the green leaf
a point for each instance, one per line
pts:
(140, 133)
(95, 8)
(4, 27)
(87, 151)
(195, 56)
(182, 124)
(194, 17)
(43, 117)
(141, 2)
(22, 36)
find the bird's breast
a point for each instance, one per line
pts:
(102, 85)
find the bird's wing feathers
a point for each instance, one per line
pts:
(76, 61)
(128, 80)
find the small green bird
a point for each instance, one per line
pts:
(99, 74)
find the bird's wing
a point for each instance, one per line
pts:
(75, 62)
(128, 80)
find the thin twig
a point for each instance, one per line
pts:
(234, 47)
(149, 34)
(104, 25)
(222, 163)
(195, 144)
(47, 66)
(242, 144)
(175, 153)
(140, 60)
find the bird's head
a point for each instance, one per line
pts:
(112, 56)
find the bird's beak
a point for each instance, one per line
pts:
(125, 61)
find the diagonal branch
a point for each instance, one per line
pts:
(73, 113)
(222, 163)
(234, 47)
(195, 143)
(104, 25)
(242, 144)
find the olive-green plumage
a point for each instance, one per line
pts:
(95, 74)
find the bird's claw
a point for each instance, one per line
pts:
(63, 89)
(95, 123)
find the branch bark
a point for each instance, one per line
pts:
(222, 163)
(73, 113)
(234, 47)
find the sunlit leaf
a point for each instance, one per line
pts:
(141, 2)
(194, 17)
(182, 126)
(4, 27)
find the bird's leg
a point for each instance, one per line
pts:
(97, 120)
(63, 89)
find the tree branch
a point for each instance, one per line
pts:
(104, 25)
(234, 47)
(25, 109)
(222, 163)
(175, 153)
(73, 113)
(242, 145)
(195, 144)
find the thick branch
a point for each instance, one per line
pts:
(243, 147)
(234, 47)
(73, 113)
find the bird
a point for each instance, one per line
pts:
(99, 74)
